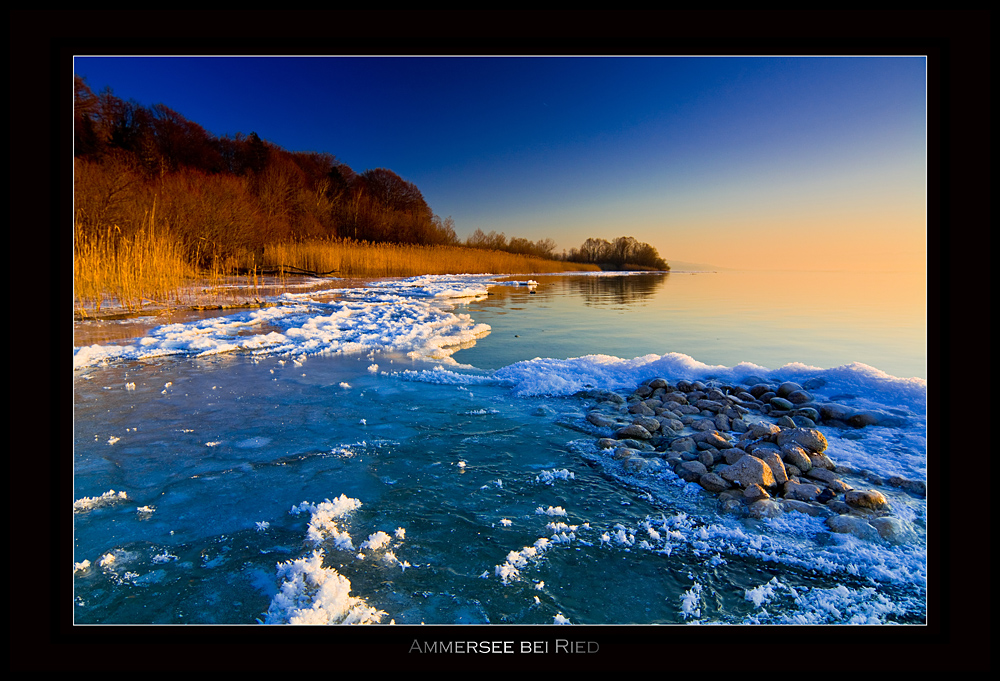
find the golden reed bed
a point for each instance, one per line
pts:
(150, 266)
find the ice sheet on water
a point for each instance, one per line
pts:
(448, 285)
(367, 320)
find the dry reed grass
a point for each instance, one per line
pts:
(146, 266)
(150, 265)
(360, 259)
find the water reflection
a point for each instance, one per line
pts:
(617, 291)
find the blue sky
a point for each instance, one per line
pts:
(755, 162)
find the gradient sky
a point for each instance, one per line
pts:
(808, 163)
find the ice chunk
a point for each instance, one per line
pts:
(313, 594)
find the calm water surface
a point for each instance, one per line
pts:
(824, 319)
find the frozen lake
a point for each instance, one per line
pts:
(417, 451)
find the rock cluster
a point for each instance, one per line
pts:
(723, 438)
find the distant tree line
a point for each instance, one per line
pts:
(543, 248)
(624, 253)
(224, 195)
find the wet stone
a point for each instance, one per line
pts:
(732, 455)
(833, 411)
(633, 431)
(821, 461)
(684, 444)
(807, 438)
(764, 508)
(755, 492)
(625, 453)
(871, 499)
(838, 506)
(691, 471)
(892, 530)
(712, 438)
(762, 448)
(801, 492)
(641, 409)
(799, 397)
(774, 462)
(788, 387)
(749, 470)
(781, 403)
(859, 527)
(635, 464)
(804, 507)
(713, 482)
(601, 420)
(915, 487)
(793, 454)
(650, 424)
(642, 445)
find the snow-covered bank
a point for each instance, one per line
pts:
(408, 316)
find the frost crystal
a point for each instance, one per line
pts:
(691, 602)
(313, 594)
(88, 503)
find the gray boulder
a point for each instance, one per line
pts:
(633, 431)
(750, 470)
(792, 454)
(789, 505)
(870, 499)
(601, 420)
(807, 438)
(650, 424)
(683, 444)
(713, 483)
(801, 491)
(773, 462)
(893, 530)
(764, 508)
(848, 524)
(691, 471)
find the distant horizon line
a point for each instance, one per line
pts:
(685, 266)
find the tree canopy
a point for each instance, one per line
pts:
(248, 190)
(623, 253)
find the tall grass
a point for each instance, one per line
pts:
(150, 265)
(349, 258)
(127, 270)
